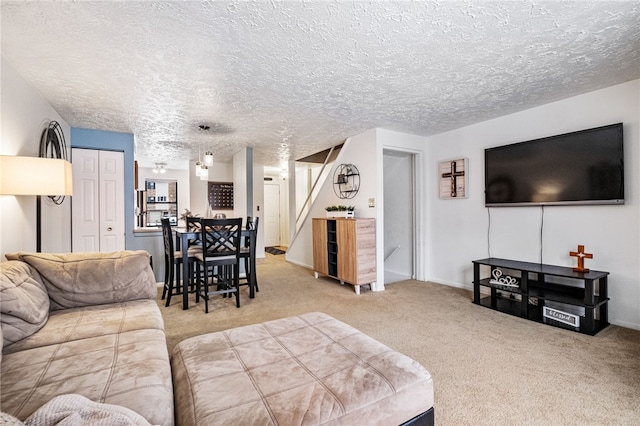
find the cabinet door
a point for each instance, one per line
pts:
(320, 258)
(366, 251)
(347, 253)
(357, 251)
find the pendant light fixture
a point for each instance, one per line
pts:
(202, 171)
(208, 158)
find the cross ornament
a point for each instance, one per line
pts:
(453, 174)
(581, 256)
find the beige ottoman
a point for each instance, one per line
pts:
(306, 370)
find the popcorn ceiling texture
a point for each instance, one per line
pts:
(292, 78)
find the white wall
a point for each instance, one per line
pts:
(258, 206)
(199, 189)
(457, 229)
(25, 114)
(301, 248)
(365, 151)
(248, 192)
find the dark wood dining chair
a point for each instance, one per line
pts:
(172, 259)
(248, 253)
(219, 259)
(193, 224)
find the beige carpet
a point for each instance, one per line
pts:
(488, 368)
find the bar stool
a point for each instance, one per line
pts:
(220, 253)
(172, 259)
(248, 254)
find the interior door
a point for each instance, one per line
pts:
(98, 201)
(271, 215)
(111, 201)
(85, 203)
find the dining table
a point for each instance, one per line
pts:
(185, 236)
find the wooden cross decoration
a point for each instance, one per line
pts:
(453, 174)
(581, 255)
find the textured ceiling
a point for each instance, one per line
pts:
(293, 78)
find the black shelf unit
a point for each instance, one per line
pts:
(554, 295)
(332, 247)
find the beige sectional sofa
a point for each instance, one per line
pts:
(83, 341)
(83, 324)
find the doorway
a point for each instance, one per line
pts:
(271, 215)
(399, 216)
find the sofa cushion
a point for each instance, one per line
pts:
(93, 321)
(84, 279)
(114, 354)
(24, 303)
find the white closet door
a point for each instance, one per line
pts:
(98, 200)
(85, 224)
(271, 225)
(111, 201)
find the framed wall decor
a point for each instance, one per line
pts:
(221, 195)
(452, 179)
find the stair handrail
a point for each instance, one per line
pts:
(392, 253)
(313, 187)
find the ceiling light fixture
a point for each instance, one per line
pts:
(160, 168)
(204, 172)
(208, 158)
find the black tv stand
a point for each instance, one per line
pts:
(554, 295)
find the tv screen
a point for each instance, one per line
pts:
(584, 167)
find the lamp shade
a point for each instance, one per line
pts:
(35, 176)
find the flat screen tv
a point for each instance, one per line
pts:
(584, 167)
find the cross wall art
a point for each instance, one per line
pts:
(452, 179)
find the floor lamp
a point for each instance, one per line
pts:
(35, 176)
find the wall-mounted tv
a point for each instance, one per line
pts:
(584, 167)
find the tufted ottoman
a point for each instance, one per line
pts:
(311, 369)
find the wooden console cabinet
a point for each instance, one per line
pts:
(345, 249)
(554, 295)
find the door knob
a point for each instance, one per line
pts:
(109, 229)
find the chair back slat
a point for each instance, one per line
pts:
(193, 225)
(220, 237)
(252, 225)
(167, 236)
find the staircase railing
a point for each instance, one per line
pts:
(304, 209)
